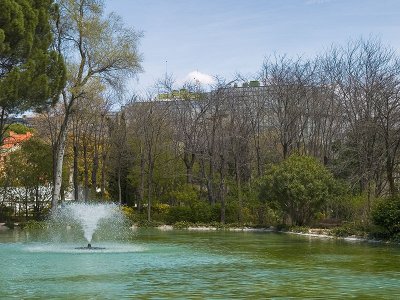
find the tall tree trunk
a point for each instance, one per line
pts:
(103, 174)
(119, 183)
(202, 173)
(210, 182)
(3, 119)
(258, 158)
(149, 186)
(285, 148)
(26, 203)
(390, 165)
(207, 179)
(37, 204)
(239, 188)
(389, 174)
(222, 188)
(189, 159)
(148, 199)
(86, 172)
(210, 190)
(95, 168)
(58, 158)
(76, 172)
(142, 179)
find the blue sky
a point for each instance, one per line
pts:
(224, 37)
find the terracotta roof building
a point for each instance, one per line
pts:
(14, 140)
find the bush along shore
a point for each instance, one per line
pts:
(298, 195)
(347, 231)
(352, 232)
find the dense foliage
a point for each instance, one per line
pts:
(31, 73)
(387, 214)
(101, 53)
(26, 179)
(299, 187)
(312, 141)
(18, 128)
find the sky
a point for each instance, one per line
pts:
(205, 38)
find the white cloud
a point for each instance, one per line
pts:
(203, 78)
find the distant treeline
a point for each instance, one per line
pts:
(190, 154)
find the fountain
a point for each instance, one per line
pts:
(43, 263)
(89, 247)
(89, 216)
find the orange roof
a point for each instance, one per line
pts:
(14, 139)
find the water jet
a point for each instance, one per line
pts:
(90, 217)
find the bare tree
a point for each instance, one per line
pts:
(148, 121)
(363, 76)
(119, 152)
(94, 47)
(288, 82)
(188, 110)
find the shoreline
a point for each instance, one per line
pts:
(319, 233)
(3, 227)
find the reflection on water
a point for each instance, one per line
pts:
(181, 264)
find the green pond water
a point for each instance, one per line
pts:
(156, 264)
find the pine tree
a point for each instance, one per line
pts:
(31, 73)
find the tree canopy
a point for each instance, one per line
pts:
(298, 186)
(31, 73)
(98, 49)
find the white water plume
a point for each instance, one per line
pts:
(89, 215)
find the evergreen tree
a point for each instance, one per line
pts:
(31, 73)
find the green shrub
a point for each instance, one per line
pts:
(263, 215)
(396, 238)
(130, 214)
(299, 187)
(357, 229)
(179, 214)
(343, 231)
(18, 128)
(349, 207)
(147, 224)
(292, 228)
(378, 233)
(386, 213)
(160, 208)
(6, 212)
(232, 213)
(197, 212)
(35, 225)
(185, 195)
